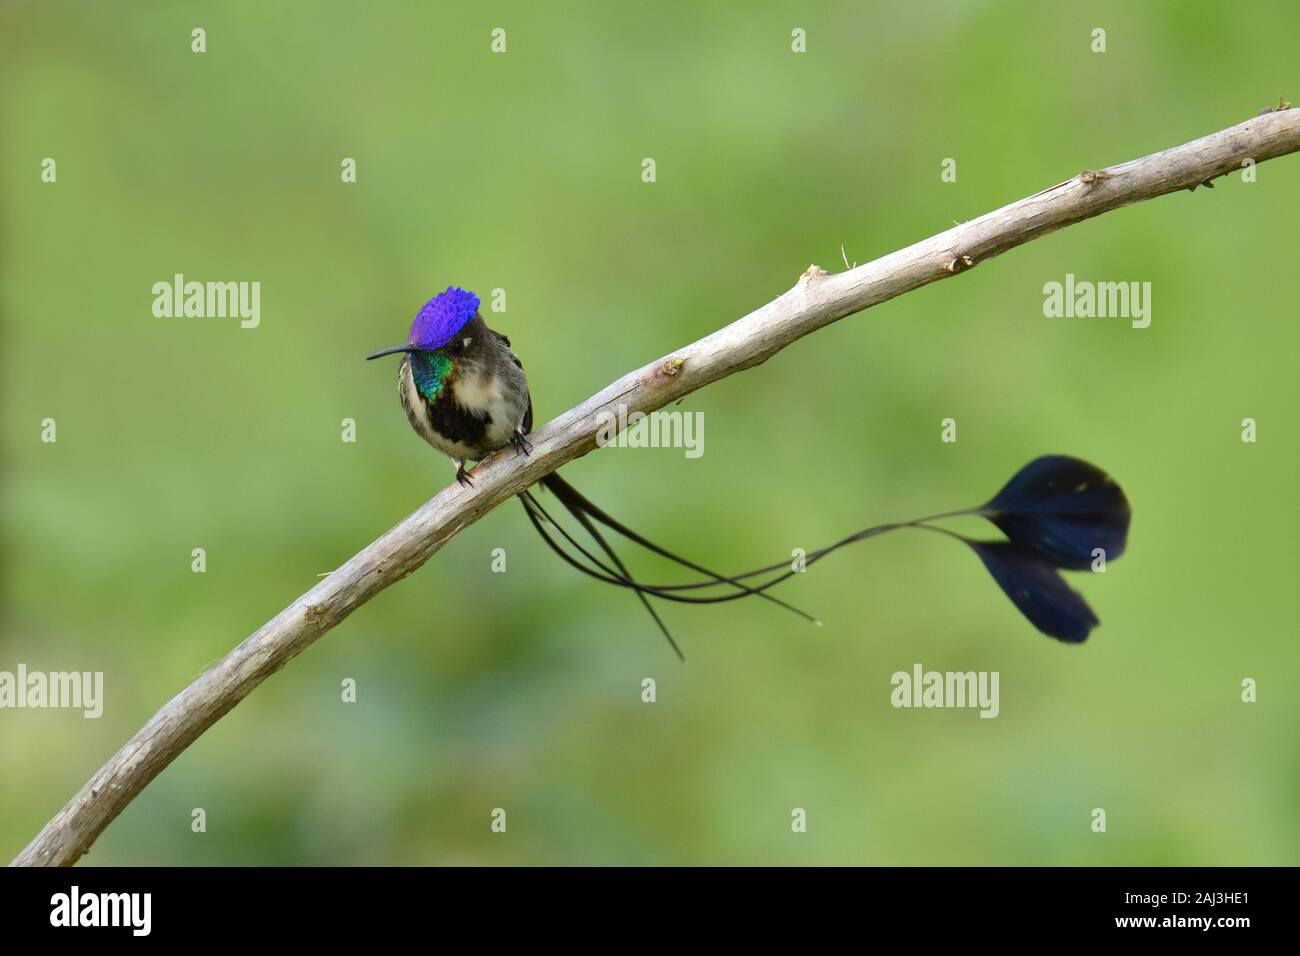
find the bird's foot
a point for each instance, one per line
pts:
(461, 476)
(522, 444)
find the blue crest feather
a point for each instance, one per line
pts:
(442, 317)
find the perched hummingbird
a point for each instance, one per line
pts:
(463, 390)
(465, 393)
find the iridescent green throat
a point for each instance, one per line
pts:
(431, 370)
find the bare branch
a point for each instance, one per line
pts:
(816, 300)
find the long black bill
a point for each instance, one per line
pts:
(395, 349)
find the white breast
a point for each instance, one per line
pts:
(417, 412)
(479, 394)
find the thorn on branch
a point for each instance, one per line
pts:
(1090, 177)
(1282, 104)
(959, 264)
(814, 271)
(665, 371)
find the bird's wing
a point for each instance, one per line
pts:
(527, 425)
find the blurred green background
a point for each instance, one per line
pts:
(522, 171)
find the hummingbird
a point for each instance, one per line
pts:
(464, 391)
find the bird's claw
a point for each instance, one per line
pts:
(522, 444)
(462, 477)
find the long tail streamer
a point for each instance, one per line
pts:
(1057, 513)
